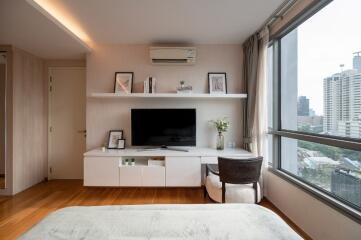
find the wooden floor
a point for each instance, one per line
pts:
(20, 212)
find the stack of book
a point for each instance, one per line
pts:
(149, 85)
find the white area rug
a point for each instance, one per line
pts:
(206, 221)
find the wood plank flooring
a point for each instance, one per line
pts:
(22, 211)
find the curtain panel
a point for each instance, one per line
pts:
(250, 64)
(255, 85)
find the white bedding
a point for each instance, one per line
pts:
(206, 221)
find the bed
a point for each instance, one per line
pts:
(199, 221)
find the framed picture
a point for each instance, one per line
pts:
(121, 143)
(114, 136)
(217, 82)
(123, 82)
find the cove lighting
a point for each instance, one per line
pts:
(56, 12)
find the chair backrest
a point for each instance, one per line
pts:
(239, 171)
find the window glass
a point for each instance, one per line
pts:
(270, 103)
(335, 170)
(321, 73)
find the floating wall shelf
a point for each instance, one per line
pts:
(169, 95)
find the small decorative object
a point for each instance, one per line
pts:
(114, 136)
(123, 82)
(126, 163)
(103, 149)
(231, 144)
(222, 126)
(217, 83)
(149, 85)
(121, 143)
(183, 88)
(132, 163)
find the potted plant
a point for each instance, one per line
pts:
(221, 126)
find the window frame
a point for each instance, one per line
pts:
(277, 132)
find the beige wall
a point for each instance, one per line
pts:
(317, 219)
(106, 114)
(29, 121)
(27, 117)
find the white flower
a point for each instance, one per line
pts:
(221, 125)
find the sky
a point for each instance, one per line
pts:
(326, 40)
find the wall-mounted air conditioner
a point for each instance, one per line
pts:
(173, 55)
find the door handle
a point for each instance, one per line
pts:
(81, 131)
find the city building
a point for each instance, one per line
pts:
(349, 128)
(303, 106)
(342, 102)
(311, 123)
(340, 179)
(356, 61)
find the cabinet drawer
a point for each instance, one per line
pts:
(153, 176)
(183, 171)
(130, 176)
(101, 171)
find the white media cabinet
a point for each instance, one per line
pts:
(173, 168)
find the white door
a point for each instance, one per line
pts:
(66, 123)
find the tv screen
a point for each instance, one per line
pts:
(163, 127)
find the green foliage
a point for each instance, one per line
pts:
(304, 128)
(331, 152)
(221, 125)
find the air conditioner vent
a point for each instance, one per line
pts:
(172, 55)
(169, 60)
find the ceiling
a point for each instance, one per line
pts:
(24, 27)
(131, 22)
(149, 21)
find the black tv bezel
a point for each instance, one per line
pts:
(166, 145)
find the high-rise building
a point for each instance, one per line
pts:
(342, 104)
(303, 106)
(356, 61)
(331, 103)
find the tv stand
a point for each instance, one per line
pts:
(161, 167)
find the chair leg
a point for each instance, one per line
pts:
(255, 186)
(223, 192)
(205, 193)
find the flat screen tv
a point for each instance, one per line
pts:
(163, 127)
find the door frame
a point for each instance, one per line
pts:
(49, 95)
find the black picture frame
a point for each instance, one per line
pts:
(210, 84)
(131, 74)
(112, 146)
(123, 143)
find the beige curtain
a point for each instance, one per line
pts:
(250, 72)
(255, 113)
(260, 125)
(254, 75)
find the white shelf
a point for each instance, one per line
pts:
(148, 153)
(168, 95)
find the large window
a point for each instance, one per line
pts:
(318, 127)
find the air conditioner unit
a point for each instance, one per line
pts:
(173, 55)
